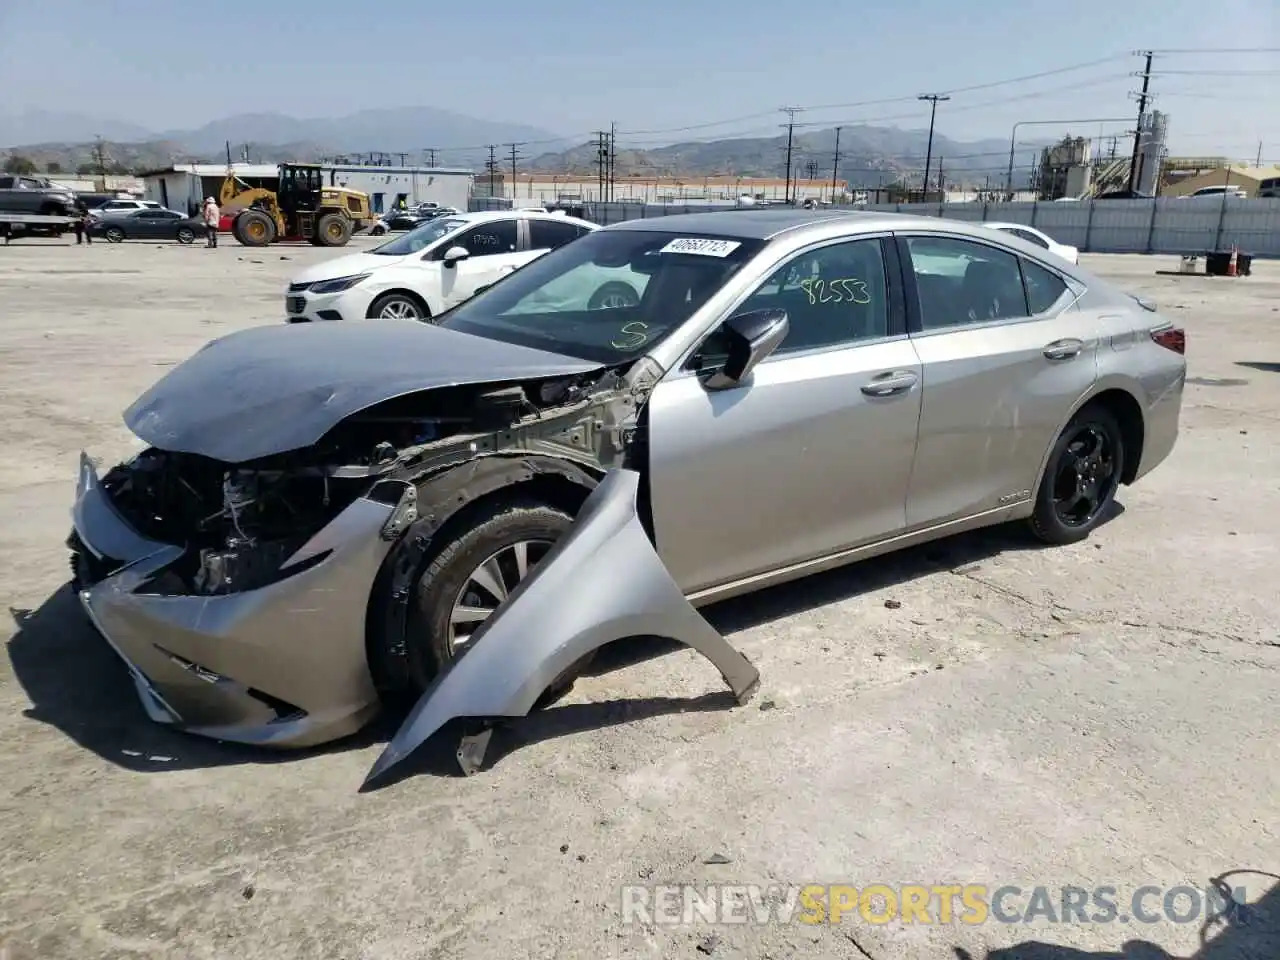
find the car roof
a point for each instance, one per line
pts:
(757, 224)
(487, 216)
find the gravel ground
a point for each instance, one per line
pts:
(976, 711)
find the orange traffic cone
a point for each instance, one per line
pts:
(1231, 264)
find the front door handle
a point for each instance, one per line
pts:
(887, 384)
(1064, 349)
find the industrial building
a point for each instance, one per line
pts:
(184, 186)
(1244, 176)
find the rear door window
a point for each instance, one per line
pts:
(549, 234)
(960, 283)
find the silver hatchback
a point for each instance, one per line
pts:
(660, 414)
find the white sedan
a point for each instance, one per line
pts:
(1032, 235)
(430, 269)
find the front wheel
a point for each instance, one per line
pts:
(1081, 480)
(186, 235)
(114, 235)
(397, 306)
(471, 576)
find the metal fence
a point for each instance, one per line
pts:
(1170, 225)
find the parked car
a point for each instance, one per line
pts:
(115, 205)
(331, 513)
(1269, 188)
(1217, 193)
(428, 270)
(146, 223)
(36, 195)
(1124, 195)
(1039, 238)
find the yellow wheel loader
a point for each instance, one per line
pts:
(301, 208)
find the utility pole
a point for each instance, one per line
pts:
(791, 126)
(514, 156)
(100, 158)
(1258, 162)
(492, 165)
(602, 163)
(1143, 99)
(613, 157)
(429, 155)
(933, 99)
(835, 166)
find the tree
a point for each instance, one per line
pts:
(53, 166)
(86, 170)
(16, 163)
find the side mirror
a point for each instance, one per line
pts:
(748, 339)
(454, 254)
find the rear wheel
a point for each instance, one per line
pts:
(1081, 480)
(333, 230)
(397, 306)
(253, 228)
(470, 577)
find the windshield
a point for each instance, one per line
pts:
(608, 296)
(419, 238)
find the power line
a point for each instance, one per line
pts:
(1217, 73)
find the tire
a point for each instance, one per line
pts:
(1093, 443)
(253, 228)
(113, 234)
(398, 306)
(186, 235)
(612, 295)
(333, 230)
(433, 640)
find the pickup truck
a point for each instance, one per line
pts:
(35, 195)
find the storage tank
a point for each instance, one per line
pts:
(1152, 151)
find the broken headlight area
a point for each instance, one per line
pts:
(241, 523)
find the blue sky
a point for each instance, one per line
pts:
(572, 66)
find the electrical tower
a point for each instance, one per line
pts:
(1144, 98)
(492, 166)
(514, 155)
(791, 126)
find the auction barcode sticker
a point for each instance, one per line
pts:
(701, 246)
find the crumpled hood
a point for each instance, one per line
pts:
(272, 389)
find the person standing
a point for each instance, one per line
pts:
(211, 217)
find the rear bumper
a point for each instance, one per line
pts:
(1163, 416)
(281, 666)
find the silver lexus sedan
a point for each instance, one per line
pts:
(465, 511)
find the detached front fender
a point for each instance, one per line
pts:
(600, 583)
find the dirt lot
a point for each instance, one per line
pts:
(1101, 714)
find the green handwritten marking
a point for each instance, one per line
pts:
(637, 331)
(839, 290)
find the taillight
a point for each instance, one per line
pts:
(1171, 338)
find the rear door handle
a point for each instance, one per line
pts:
(887, 384)
(1063, 349)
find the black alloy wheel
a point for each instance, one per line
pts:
(1082, 477)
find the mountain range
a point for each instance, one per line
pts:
(868, 155)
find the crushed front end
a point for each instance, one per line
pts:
(236, 594)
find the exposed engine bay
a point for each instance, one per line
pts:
(240, 523)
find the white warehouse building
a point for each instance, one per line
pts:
(183, 186)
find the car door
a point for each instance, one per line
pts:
(146, 224)
(494, 250)
(1006, 355)
(813, 453)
